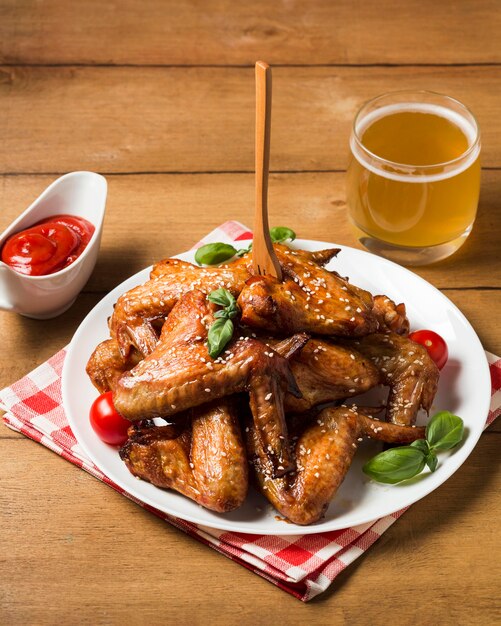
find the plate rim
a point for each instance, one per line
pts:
(288, 529)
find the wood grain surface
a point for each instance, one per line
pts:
(224, 32)
(159, 96)
(125, 119)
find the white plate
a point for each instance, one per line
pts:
(464, 389)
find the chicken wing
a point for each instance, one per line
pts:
(391, 317)
(325, 372)
(323, 452)
(135, 313)
(206, 462)
(107, 364)
(309, 299)
(407, 368)
(132, 322)
(179, 374)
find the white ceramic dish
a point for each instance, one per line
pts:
(79, 193)
(464, 389)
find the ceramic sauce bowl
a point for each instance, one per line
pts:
(82, 194)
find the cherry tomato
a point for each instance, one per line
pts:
(107, 422)
(436, 346)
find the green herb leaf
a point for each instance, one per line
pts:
(444, 431)
(232, 311)
(421, 444)
(432, 461)
(218, 252)
(279, 234)
(397, 464)
(219, 335)
(214, 253)
(222, 297)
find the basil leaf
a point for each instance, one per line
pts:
(279, 234)
(221, 313)
(222, 297)
(219, 335)
(444, 431)
(432, 461)
(232, 311)
(395, 465)
(214, 253)
(421, 444)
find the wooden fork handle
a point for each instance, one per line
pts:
(263, 255)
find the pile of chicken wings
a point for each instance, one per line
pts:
(272, 409)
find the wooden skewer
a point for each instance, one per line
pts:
(264, 259)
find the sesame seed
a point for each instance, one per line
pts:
(207, 390)
(268, 396)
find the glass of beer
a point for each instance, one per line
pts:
(414, 176)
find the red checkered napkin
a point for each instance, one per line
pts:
(303, 565)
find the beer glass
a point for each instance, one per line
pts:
(414, 176)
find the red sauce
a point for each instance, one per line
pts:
(49, 246)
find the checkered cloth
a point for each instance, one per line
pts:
(303, 565)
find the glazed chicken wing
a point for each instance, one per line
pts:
(325, 372)
(205, 462)
(107, 364)
(179, 374)
(322, 454)
(391, 317)
(407, 368)
(309, 299)
(132, 322)
(137, 311)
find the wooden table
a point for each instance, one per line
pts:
(159, 97)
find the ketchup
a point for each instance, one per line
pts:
(49, 246)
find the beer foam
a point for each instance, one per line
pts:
(466, 126)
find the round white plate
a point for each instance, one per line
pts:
(464, 389)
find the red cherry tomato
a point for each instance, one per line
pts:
(436, 346)
(107, 422)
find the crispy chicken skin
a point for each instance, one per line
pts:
(179, 374)
(135, 313)
(107, 364)
(325, 372)
(389, 433)
(206, 462)
(407, 368)
(309, 299)
(322, 453)
(391, 317)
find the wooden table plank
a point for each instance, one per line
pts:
(218, 32)
(85, 550)
(202, 119)
(150, 217)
